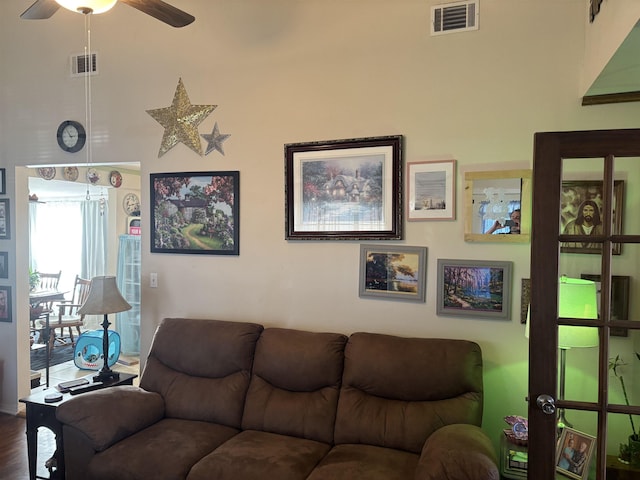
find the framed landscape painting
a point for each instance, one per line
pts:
(394, 272)
(344, 189)
(474, 288)
(195, 212)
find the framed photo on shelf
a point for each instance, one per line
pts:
(344, 189)
(581, 208)
(4, 264)
(3, 181)
(474, 288)
(5, 220)
(394, 272)
(195, 213)
(573, 454)
(619, 299)
(431, 190)
(5, 304)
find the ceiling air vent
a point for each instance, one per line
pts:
(82, 63)
(454, 17)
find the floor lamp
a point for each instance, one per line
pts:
(104, 298)
(577, 298)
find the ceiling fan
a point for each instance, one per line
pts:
(158, 9)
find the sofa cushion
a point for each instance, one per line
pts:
(164, 451)
(251, 455)
(397, 391)
(349, 462)
(202, 368)
(295, 384)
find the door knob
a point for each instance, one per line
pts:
(546, 403)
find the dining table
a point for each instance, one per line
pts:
(36, 298)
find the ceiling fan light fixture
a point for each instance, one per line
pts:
(87, 6)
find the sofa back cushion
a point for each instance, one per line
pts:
(397, 391)
(202, 368)
(295, 384)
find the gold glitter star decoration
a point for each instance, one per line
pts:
(180, 121)
(214, 140)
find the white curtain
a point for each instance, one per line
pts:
(95, 215)
(69, 236)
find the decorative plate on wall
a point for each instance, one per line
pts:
(115, 178)
(93, 176)
(48, 173)
(70, 173)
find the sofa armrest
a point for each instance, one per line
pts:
(458, 452)
(109, 415)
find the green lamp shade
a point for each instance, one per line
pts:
(577, 299)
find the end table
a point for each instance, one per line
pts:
(510, 465)
(43, 414)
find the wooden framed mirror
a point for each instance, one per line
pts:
(497, 206)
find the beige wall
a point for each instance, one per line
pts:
(294, 71)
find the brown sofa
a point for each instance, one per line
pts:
(230, 400)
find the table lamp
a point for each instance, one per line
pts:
(577, 298)
(104, 298)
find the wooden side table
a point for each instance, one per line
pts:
(508, 471)
(42, 414)
(617, 470)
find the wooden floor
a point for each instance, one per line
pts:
(13, 448)
(13, 438)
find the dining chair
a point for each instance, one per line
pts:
(46, 281)
(68, 316)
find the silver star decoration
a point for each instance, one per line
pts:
(215, 140)
(180, 121)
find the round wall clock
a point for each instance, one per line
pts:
(71, 136)
(131, 204)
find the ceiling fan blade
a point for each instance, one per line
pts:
(162, 11)
(40, 10)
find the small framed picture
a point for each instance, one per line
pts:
(4, 264)
(398, 273)
(3, 181)
(573, 454)
(5, 223)
(5, 304)
(344, 189)
(195, 212)
(431, 190)
(474, 288)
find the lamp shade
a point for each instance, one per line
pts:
(577, 298)
(104, 297)
(96, 6)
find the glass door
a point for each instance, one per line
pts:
(584, 328)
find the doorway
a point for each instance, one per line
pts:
(63, 214)
(600, 406)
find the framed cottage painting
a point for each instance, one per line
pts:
(195, 212)
(344, 189)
